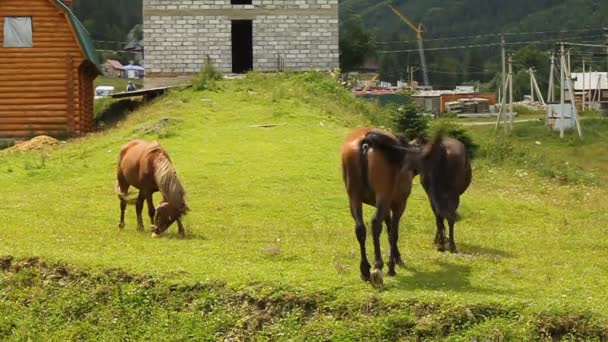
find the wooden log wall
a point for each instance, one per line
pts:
(40, 87)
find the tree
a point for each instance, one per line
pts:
(356, 43)
(410, 122)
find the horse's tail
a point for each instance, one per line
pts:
(363, 149)
(123, 196)
(393, 150)
(439, 172)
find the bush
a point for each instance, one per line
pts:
(458, 132)
(410, 122)
(208, 77)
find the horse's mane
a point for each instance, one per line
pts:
(166, 178)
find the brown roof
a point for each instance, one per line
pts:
(115, 64)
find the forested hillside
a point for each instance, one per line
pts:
(109, 21)
(457, 25)
(472, 17)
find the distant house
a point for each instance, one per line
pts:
(47, 67)
(113, 68)
(595, 86)
(240, 35)
(594, 83)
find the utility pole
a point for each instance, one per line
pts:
(584, 85)
(590, 82)
(531, 83)
(606, 36)
(507, 87)
(551, 94)
(573, 103)
(502, 44)
(510, 93)
(535, 88)
(410, 71)
(562, 93)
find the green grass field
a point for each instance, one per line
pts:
(271, 251)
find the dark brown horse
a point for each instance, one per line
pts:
(445, 174)
(376, 172)
(147, 167)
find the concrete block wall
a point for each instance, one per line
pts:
(180, 34)
(180, 44)
(303, 42)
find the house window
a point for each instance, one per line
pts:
(18, 32)
(240, 2)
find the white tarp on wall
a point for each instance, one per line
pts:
(18, 32)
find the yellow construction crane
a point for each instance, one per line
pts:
(419, 29)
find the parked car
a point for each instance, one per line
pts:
(103, 91)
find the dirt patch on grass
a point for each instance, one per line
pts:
(39, 143)
(162, 128)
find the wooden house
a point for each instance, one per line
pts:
(47, 67)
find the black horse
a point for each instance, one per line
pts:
(445, 174)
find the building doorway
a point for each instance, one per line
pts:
(242, 46)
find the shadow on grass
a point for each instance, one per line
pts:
(110, 114)
(449, 277)
(466, 249)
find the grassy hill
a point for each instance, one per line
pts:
(271, 251)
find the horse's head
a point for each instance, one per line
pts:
(424, 153)
(166, 214)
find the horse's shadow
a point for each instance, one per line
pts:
(475, 250)
(449, 277)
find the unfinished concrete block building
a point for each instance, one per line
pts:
(240, 35)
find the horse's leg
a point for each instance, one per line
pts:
(139, 206)
(180, 228)
(389, 222)
(356, 210)
(440, 232)
(123, 207)
(379, 217)
(151, 209)
(451, 221)
(395, 255)
(377, 220)
(123, 188)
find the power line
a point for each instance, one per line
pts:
(490, 35)
(490, 45)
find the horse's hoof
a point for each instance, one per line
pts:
(391, 272)
(121, 225)
(377, 279)
(154, 235)
(453, 250)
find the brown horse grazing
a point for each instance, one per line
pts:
(445, 174)
(377, 172)
(147, 167)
